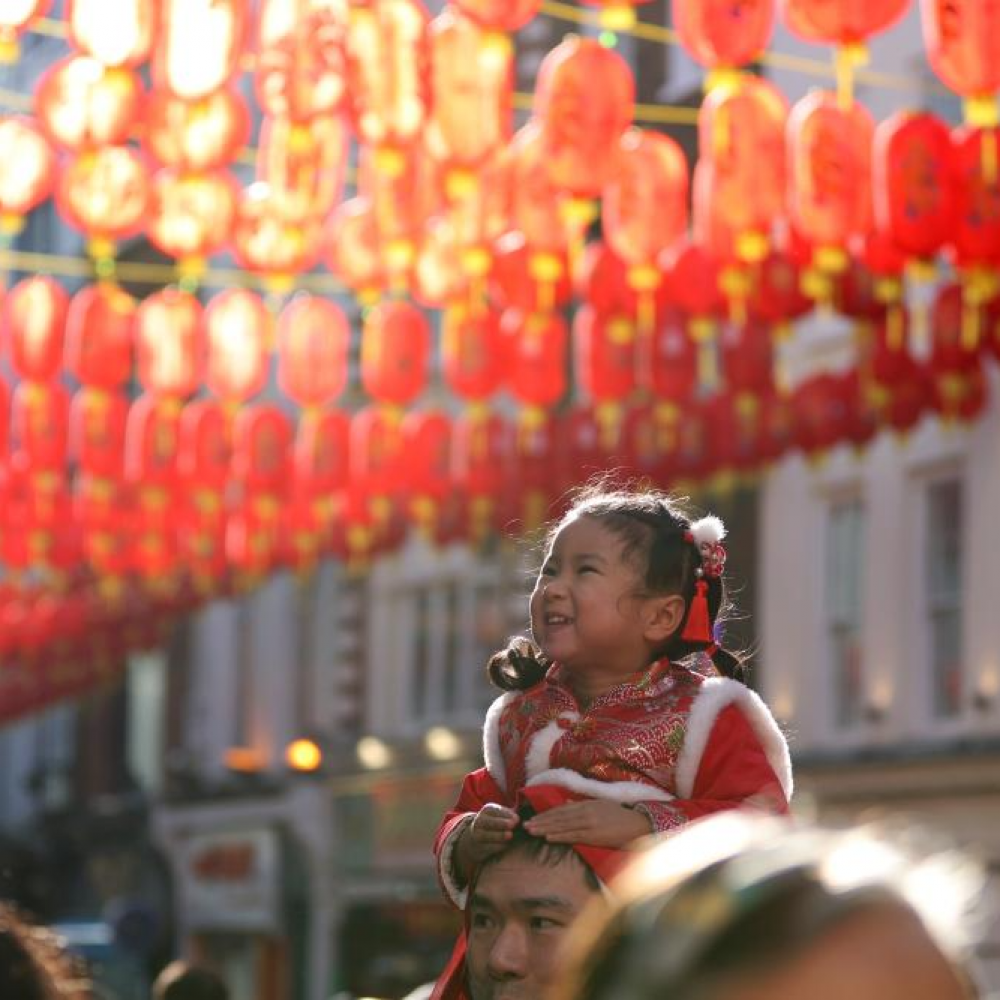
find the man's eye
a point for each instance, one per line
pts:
(481, 921)
(588, 569)
(544, 923)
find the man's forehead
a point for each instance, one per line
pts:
(520, 876)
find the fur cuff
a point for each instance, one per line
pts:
(447, 873)
(491, 739)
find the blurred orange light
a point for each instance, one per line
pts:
(245, 759)
(303, 755)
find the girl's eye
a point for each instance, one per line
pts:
(548, 570)
(481, 921)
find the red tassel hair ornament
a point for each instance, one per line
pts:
(697, 628)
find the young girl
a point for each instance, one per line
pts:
(612, 719)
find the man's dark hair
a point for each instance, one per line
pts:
(180, 981)
(541, 851)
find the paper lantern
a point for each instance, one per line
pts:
(844, 22)
(692, 279)
(955, 328)
(821, 414)
(437, 275)
(377, 450)
(237, 333)
(718, 33)
(321, 454)
(313, 340)
(105, 192)
(196, 136)
(27, 169)
(351, 248)
(34, 316)
(426, 464)
(471, 84)
(975, 238)
(39, 415)
(152, 439)
(204, 452)
(499, 15)
(829, 174)
(482, 445)
(125, 39)
(962, 39)
(268, 242)
(472, 352)
(913, 182)
(535, 351)
(81, 103)
(776, 295)
(532, 482)
(395, 345)
(387, 74)
(746, 355)
(99, 326)
(300, 72)
(671, 369)
(191, 215)
(523, 279)
(262, 445)
(169, 343)
(97, 432)
(584, 98)
(199, 46)
(604, 355)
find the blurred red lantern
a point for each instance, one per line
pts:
(99, 327)
(34, 318)
(376, 456)
(525, 280)
(645, 203)
(535, 347)
(196, 136)
(471, 83)
(437, 276)
(959, 395)
(105, 192)
(352, 250)
(645, 450)
(976, 228)
(829, 156)
(962, 38)
(845, 22)
(822, 414)
(204, 452)
(39, 415)
(387, 74)
(321, 454)
(27, 168)
(237, 334)
(722, 34)
(262, 450)
(913, 183)
(152, 439)
(535, 207)
(300, 66)
(81, 103)
(584, 98)
(671, 369)
(191, 215)
(604, 355)
(500, 15)
(123, 40)
(955, 331)
(582, 449)
(199, 46)
(426, 462)
(775, 292)
(169, 343)
(97, 432)
(303, 165)
(602, 281)
(692, 279)
(532, 481)
(747, 357)
(854, 293)
(313, 340)
(472, 351)
(269, 243)
(482, 444)
(395, 345)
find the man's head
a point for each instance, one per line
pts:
(180, 981)
(520, 904)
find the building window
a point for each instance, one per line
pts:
(844, 588)
(943, 589)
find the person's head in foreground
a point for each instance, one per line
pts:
(740, 907)
(182, 981)
(521, 902)
(34, 965)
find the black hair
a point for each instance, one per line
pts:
(181, 981)
(654, 528)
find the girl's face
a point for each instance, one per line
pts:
(586, 608)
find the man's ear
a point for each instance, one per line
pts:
(663, 617)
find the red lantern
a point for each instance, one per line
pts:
(237, 332)
(645, 203)
(313, 339)
(500, 15)
(352, 249)
(262, 446)
(959, 395)
(199, 46)
(472, 351)
(300, 67)
(645, 450)
(747, 357)
(482, 446)
(976, 228)
(829, 156)
(321, 455)
(426, 462)
(268, 242)
(437, 276)
(105, 192)
(169, 343)
(81, 103)
(204, 453)
(671, 370)
(191, 215)
(720, 34)
(962, 38)
(196, 136)
(692, 279)
(152, 438)
(604, 355)
(775, 290)
(955, 329)
(27, 168)
(387, 68)
(34, 316)
(821, 412)
(97, 432)
(471, 83)
(395, 344)
(584, 97)
(39, 414)
(525, 280)
(99, 335)
(913, 182)
(123, 40)
(532, 482)
(535, 357)
(845, 22)
(376, 456)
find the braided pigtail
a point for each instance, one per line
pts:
(518, 667)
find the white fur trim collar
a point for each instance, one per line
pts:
(716, 694)
(491, 739)
(538, 757)
(617, 791)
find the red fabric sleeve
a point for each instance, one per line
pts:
(478, 789)
(733, 772)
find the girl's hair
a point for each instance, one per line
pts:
(34, 965)
(654, 528)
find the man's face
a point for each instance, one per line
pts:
(518, 913)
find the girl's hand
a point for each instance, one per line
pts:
(594, 821)
(487, 834)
